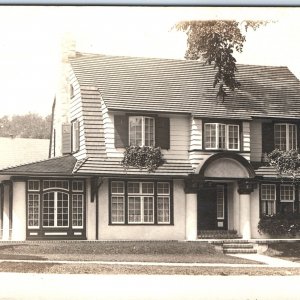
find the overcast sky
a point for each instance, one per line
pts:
(30, 42)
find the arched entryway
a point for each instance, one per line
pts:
(222, 184)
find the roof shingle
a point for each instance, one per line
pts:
(180, 86)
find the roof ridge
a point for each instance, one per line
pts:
(88, 54)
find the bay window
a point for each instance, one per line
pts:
(136, 202)
(221, 136)
(285, 136)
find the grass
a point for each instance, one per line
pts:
(152, 251)
(285, 250)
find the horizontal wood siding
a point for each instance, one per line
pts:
(246, 137)
(93, 122)
(196, 134)
(256, 140)
(179, 136)
(76, 114)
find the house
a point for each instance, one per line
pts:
(32, 150)
(213, 178)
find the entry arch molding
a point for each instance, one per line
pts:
(225, 165)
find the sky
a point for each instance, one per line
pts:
(30, 39)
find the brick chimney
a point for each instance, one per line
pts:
(63, 93)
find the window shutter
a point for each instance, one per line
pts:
(298, 137)
(66, 139)
(267, 137)
(75, 136)
(162, 132)
(121, 131)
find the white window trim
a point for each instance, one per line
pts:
(288, 201)
(169, 203)
(117, 195)
(30, 190)
(55, 211)
(142, 196)
(143, 128)
(39, 207)
(55, 188)
(82, 207)
(226, 136)
(78, 191)
(269, 200)
(287, 127)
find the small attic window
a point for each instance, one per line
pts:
(71, 91)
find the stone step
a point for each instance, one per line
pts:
(239, 250)
(238, 245)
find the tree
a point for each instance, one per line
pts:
(214, 42)
(26, 126)
(286, 163)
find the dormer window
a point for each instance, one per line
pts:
(221, 136)
(285, 136)
(141, 131)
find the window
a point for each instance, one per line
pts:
(163, 202)
(144, 202)
(140, 202)
(268, 199)
(117, 202)
(287, 198)
(33, 211)
(285, 136)
(220, 201)
(221, 136)
(141, 131)
(33, 185)
(50, 203)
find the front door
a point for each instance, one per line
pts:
(212, 208)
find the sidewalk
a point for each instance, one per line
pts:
(264, 261)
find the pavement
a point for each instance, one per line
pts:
(16, 286)
(263, 261)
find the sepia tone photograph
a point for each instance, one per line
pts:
(149, 152)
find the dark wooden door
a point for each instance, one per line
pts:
(212, 208)
(207, 208)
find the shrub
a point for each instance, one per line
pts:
(280, 224)
(142, 157)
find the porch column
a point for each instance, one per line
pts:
(191, 217)
(245, 189)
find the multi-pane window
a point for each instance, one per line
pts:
(287, 198)
(33, 211)
(145, 202)
(58, 184)
(51, 204)
(77, 210)
(140, 202)
(220, 201)
(268, 199)
(163, 202)
(117, 202)
(221, 136)
(141, 131)
(285, 136)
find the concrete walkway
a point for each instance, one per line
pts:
(264, 261)
(268, 260)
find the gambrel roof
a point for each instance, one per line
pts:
(181, 86)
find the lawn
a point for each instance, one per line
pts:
(145, 251)
(285, 250)
(155, 251)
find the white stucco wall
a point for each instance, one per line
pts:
(255, 214)
(5, 232)
(140, 232)
(19, 211)
(90, 213)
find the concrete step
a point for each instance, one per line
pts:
(238, 246)
(239, 250)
